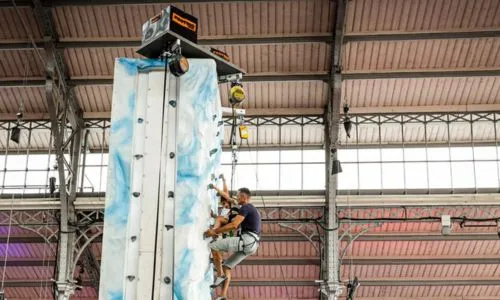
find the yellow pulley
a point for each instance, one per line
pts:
(237, 94)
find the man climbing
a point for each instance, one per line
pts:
(242, 246)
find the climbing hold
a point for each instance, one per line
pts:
(172, 154)
(167, 280)
(136, 194)
(170, 194)
(130, 277)
(140, 120)
(213, 151)
(172, 103)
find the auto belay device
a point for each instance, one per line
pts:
(173, 33)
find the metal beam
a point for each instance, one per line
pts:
(444, 282)
(265, 238)
(127, 2)
(409, 260)
(296, 261)
(409, 36)
(413, 74)
(133, 43)
(304, 283)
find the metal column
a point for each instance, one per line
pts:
(63, 110)
(331, 287)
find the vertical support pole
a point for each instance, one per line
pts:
(331, 288)
(63, 110)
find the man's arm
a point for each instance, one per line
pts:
(234, 224)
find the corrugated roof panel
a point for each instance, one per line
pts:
(277, 273)
(288, 94)
(27, 251)
(421, 91)
(95, 61)
(12, 26)
(286, 249)
(430, 272)
(39, 140)
(424, 248)
(33, 98)
(215, 19)
(421, 15)
(33, 273)
(422, 54)
(280, 58)
(274, 292)
(277, 58)
(22, 64)
(94, 98)
(406, 292)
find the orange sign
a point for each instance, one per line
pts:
(184, 22)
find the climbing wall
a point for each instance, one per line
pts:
(137, 246)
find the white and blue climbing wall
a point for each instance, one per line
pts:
(165, 143)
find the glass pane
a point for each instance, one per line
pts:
(416, 175)
(36, 178)
(485, 153)
(226, 170)
(463, 174)
(95, 159)
(268, 177)
(16, 162)
(315, 155)
(438, 154)
(314, 177)
(369, 155)
(291, 177)
(369, 176)
(245, 177)
(291, 156)
(348, 155)
(245, 156)
(15, 178)
(486, 174)
(439, 175)
(269, 156)
(392, 154)
(348, 179)
(92, 178)
(414, 154)
(104, 179)
(393, 176)
(226, 157)
(38, 162)
(461, 153)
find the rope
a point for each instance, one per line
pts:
(21, 110)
